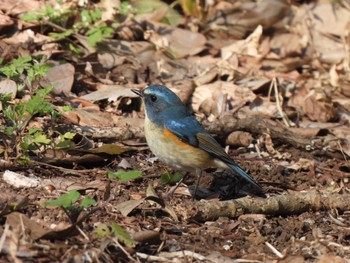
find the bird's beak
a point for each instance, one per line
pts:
(137, 92)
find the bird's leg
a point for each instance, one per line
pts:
(172, 191)
(199, 175)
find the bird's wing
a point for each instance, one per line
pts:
(190, 131)
(185, 129)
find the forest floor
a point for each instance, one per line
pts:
(269, 79)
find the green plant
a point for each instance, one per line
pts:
(69, 203)
(55, 15)
(169, 178)
(114, 230)
(124, 176)
(18, 116)
(125, 8)
(27, 71)
(87, 22)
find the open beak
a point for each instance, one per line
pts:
(137, 92)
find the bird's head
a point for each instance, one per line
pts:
(158, 100)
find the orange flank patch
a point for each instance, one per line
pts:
(171, 136)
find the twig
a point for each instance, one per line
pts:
(115, 240)
(82, 233)
(3, 236)
(184, 253)
(278, 102)
(274, 250)
(151, 258)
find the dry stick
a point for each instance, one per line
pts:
(279, 101)
(288, 204)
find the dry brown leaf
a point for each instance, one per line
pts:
(213, 98)
(286, 44)
(239, 138)
(19, 7)
(240, 19)
(179, 42)
(125, 208)
(8, 86)
(324, 27)
(318, 107)
(301, 164)
(28, 36)
(69, 184)
(24, 224)
(5, 21)
(110, 92)
(292, 259)
(264, 107)
(331, 259)
(315, 104)
(248, 46)
(107, 8)
(91, 117)
(61, 77)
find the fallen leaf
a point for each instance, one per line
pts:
(248, 46)
(125, 208)
(178, 42)
(8, 86)
(239, 138)
(214, 98)
(61, 78)
(110, 92)
(24, 224)
(111, 149)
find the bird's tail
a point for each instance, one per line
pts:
(238, 170)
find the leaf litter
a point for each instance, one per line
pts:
(269, 79)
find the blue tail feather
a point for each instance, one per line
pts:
(247, 177)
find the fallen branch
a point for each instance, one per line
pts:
(259, 125)
(288, 204)
(223, 126)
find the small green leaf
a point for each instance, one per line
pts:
(65, 200)
(67, 108)
(41, 138)
(61, 35)
(169, 178)
(9, 130)
(124, 176)
(31, 131)
(122, 235)
(87, 202)
(66, 144)
(102, 231)
(69, 135)
(125, 8)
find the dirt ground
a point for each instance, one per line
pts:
(270, 81)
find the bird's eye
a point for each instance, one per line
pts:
(153, 98)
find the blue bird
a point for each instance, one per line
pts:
(178, 139)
